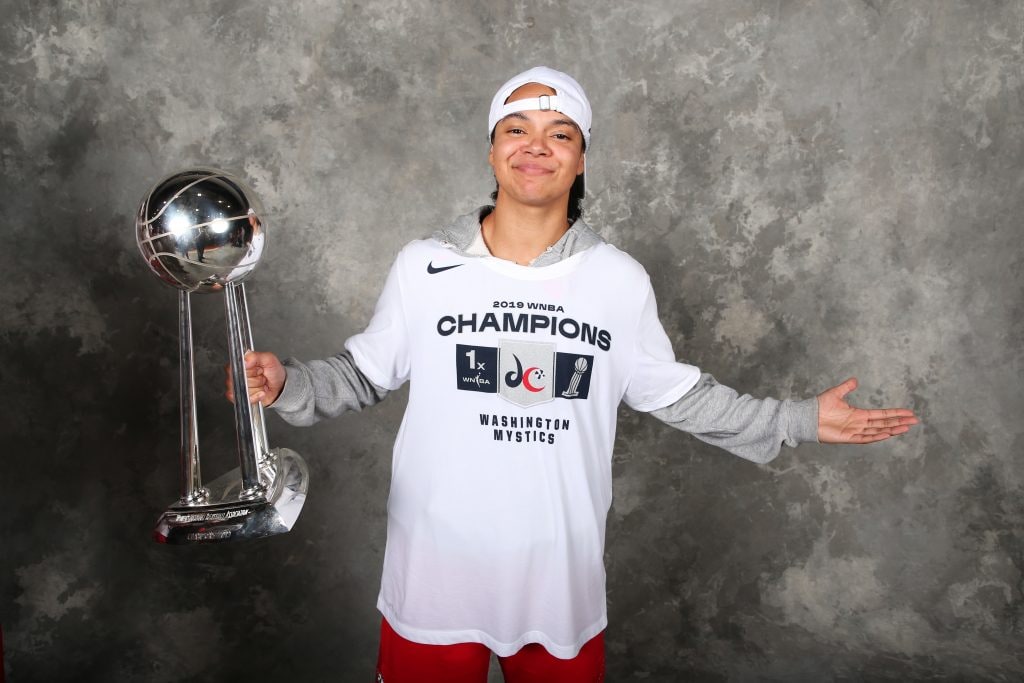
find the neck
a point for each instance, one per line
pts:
(521, 233)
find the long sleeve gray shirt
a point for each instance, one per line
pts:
(754, 429)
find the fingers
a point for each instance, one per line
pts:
(254, 377)
(883, 417)
(892, 421)
(255, 381)
(256, 394)
(879, 413)
(863, 435)
(253, 364)
(892, 431)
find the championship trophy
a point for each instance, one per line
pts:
(202, 230)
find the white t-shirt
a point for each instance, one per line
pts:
(501, 474)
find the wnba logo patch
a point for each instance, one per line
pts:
(525, 373)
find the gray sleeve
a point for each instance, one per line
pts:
(751, 428)
(324, 388)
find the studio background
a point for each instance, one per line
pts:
(818, 190)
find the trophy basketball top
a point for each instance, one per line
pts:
(200, 229)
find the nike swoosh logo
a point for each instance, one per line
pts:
(434, 271)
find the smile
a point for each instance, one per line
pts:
(533, 169)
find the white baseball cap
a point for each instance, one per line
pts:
(569, 99)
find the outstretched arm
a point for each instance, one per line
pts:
(756, 429)
(753, 429)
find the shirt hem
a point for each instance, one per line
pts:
(368, 369)
(669, 397)
(500, 648)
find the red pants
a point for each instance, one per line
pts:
(403, 661)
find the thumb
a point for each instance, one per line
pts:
(841, 390)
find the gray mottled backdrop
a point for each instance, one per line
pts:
(818, 190)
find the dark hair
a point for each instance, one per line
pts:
(576, 192)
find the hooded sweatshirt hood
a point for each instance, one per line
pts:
(464, 230)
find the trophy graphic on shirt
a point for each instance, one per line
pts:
(202, 230)
(578, 370)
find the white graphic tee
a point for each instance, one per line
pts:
(501, 474)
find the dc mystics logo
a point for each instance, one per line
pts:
(525, 373)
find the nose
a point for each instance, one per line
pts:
(537, 143)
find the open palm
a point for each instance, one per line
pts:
(839, 422)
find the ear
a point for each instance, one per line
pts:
(490, 156)
(582, 166)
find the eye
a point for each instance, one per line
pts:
(562, 136)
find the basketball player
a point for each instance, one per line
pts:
(521, 331)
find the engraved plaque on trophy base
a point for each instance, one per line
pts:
(223, 516)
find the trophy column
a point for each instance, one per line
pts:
(192, 491)
(249, 445)
(259, 426)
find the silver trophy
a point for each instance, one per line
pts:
(201, 230)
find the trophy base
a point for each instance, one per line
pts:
(223, 515)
